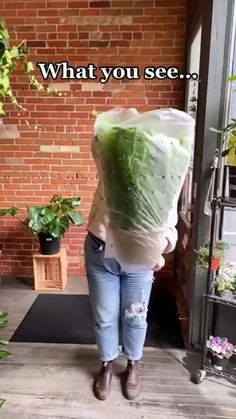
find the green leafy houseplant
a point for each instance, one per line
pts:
(202, 255)
(55, 218)
(3, 353)
(11, 57)
(51, 221)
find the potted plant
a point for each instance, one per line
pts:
(11, 57)
(3, 323)
(229, 150)
(231, 163)
(220, 350)
(202, 254)
(225, 284)
(50, 222)
(229, 144)
(3, 353)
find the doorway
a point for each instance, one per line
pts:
(208, 39)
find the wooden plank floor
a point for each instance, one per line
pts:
(55, 381)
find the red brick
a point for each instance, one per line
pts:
(126, 36)
(174, 27)
(15, 5)
(173, 50)
(122, 3)
(78, 3)
(100, 4)
(26, 13)
(171, 3)
(66, 28)
(181, 19)
(146, 3)
(57, 44)
(111, 12)
(132, 28)
(8, 13)
(36, 44)
(69, 12)
(98, 44)
(119, 43)
(152, 28)
(46, 28)
(48, 12)
(176, 11)
(88, 28)
(26, 28)
(137, 35)
(143, 19)
(165, 19)
(156, 11)
(140, 43)
(132, 11)
(14, 21)
(56, 4)
(106, 36)
(164, 42)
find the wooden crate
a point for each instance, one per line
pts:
(50, 271)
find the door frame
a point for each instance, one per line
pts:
(215, 17)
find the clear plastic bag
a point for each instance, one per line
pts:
(143, 160)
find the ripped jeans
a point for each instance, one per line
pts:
(116, 297)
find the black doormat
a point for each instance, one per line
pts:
(56, 318)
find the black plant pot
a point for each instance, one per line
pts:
(232, 181)
(229, 295)
(49, 245)
(219, 363)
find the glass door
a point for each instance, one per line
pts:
(208, 39)
(194, 55)
(184, 245)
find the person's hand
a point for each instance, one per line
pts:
(159, 265)
(171, 239)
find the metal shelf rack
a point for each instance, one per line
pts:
(218, 203)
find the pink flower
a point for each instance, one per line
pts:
(220, 346)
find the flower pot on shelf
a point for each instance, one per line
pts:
(225, 283)
(49, 245)
(225, 294)
(220, 350)
(215, 263)
(219, 362)
(228, 295)
(232, 181)
(209, 359)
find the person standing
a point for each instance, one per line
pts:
(118, 297)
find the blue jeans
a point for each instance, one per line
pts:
(116, 297)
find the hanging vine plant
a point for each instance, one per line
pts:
(10, 58)
(229, 135)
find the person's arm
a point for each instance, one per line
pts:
(170, 238)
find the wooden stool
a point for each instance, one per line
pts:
(50, 271)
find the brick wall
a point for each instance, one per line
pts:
(34, 165)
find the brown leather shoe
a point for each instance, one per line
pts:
(133, 382)
(102, 384)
